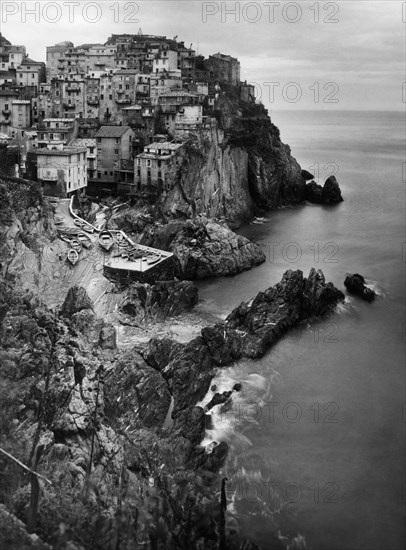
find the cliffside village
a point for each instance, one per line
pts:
(108, 118)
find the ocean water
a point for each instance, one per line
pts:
(317, 433)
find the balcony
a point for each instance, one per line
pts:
(5, 122)
(69, 106)
(92, 101)
(123, 100)
(6, 112)
(73, 89)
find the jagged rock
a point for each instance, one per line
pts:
(191, 424)
(356, 285)
(225, 345)
(307, 175)
(279, 308)
(319, 297)
(328, 194)
(247, 332)
(94, 330)
(189, 374)
(141, 302)
(130, 220)
(14, 536)
(217, 399)
(136, 395)
(213, 461)
(159, 352)
(208, 248)
(76, 300)
(331, 191)
(314, 193)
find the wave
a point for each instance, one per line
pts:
(374, 285)
(260, 220)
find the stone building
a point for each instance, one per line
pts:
(55, 55)
(62, 173)
(21, 113)
(90, 144)
(156, 167)
(30, 73)
(7, 97)
(56, 132)
(115, 160)
(223, 68)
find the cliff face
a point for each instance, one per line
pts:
(25, 225)
(235, 167)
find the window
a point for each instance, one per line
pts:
(99, 175)
(116, 151)
(99, 140)
(110, 97)
(101, 96)
(6, 107)
(138, 162)
(127, 86)
(117, 140)
(51, 136)
(148, 162)
(91, 150)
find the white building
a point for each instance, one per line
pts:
(62, 173)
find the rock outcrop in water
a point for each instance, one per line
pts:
(330, 193)
(355, 284)
(248, 331)
(205, 247)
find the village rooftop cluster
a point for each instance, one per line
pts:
(108, 118)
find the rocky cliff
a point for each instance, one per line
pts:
(235, 168)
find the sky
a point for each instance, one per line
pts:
(338, 55)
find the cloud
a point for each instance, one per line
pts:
(363, 48)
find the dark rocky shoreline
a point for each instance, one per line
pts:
(98, 412)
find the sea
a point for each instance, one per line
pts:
(317, 432)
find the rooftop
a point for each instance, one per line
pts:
(83, 142)
(170, 146)
(66, 151)
(66, 120)
(112, 131)
(179, 93)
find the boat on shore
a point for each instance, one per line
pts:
(85, 240)
(72, 256)
(106, 240)
(76, 245)
(88, 228)
(78, 223)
